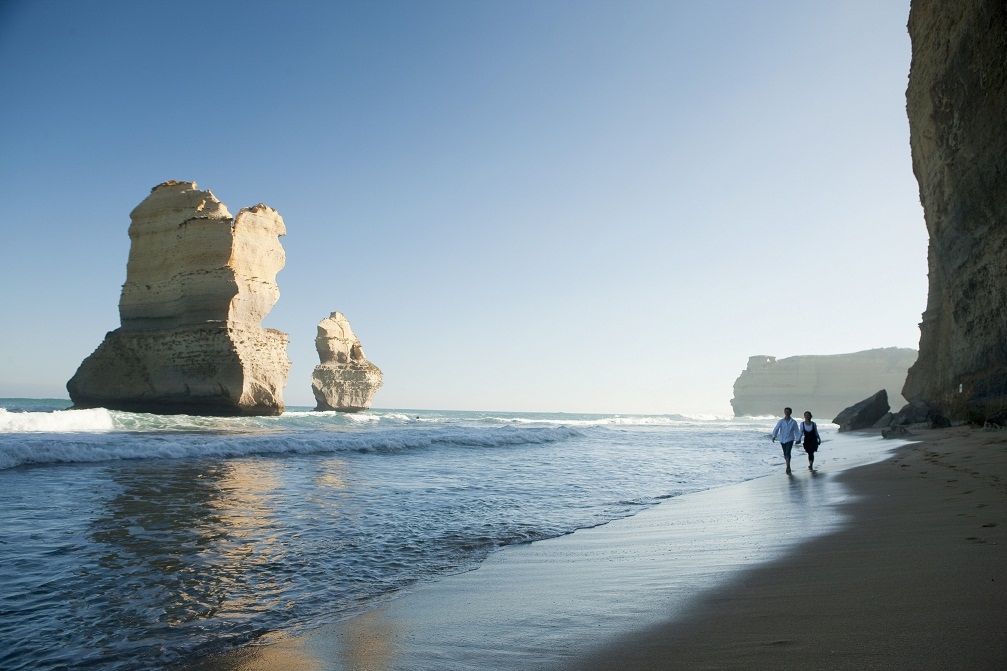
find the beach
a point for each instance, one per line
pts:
(449, 541)
(918, 580)
(906, 569)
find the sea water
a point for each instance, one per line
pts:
(137, 541)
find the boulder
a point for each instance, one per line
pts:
(344, 379)
(940, 422)
(190, 340)
(956, 103)
(895, 432)
(865, 414)
(884, 422)
(915, 412)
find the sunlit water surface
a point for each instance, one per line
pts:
(133, 541)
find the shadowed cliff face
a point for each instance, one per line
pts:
(957, 107)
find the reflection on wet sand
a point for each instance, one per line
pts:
(363, 643)
(530, 606)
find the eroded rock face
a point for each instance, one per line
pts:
(957, 106)
(344, 380)
(823, 384)
(198, 283)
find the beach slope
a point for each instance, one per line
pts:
(917, 581)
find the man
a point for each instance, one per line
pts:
(788, 431)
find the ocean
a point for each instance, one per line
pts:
(135, 541)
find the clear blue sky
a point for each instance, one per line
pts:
(519, 205)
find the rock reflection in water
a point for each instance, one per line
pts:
(181, 543)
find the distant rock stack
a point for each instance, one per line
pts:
(824, 384)
(957, 107)
(198, 284)
(344, 380)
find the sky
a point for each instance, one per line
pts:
(557, 206)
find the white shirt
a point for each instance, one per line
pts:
(787, 429)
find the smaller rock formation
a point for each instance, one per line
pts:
(344, 380)
(893, 432)
(914, 415)
(865, 414)
(916, 412)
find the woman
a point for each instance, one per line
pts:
(811, 439)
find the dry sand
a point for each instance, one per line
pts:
(908, 571)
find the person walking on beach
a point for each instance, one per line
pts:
(811, 439)
(788, 431)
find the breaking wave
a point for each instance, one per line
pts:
(91, 440)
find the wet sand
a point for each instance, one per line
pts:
(899, 564)
(917, 581)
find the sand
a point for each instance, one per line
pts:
(917, 581)
(897, 564)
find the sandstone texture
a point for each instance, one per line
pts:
(957, 107)
(198, 283)
(823, 384)
(344, 380)
(865, 414)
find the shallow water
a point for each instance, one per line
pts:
(138, 541)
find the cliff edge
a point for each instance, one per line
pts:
(198, 284)
(957, 107)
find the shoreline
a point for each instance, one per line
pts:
(727, 578)
(918, 581)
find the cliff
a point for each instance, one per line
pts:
(957, 107)
(344, 380)
(823, 384)
(198, 284)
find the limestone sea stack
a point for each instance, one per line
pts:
(198, 284)
(344, 380)
(957, 108)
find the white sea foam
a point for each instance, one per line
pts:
(76, 447)
(60, 421)
(67, 436)
(611, 420)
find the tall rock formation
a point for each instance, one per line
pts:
(198, 283)
(823, 384)
(957, 107)
(344, 380)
